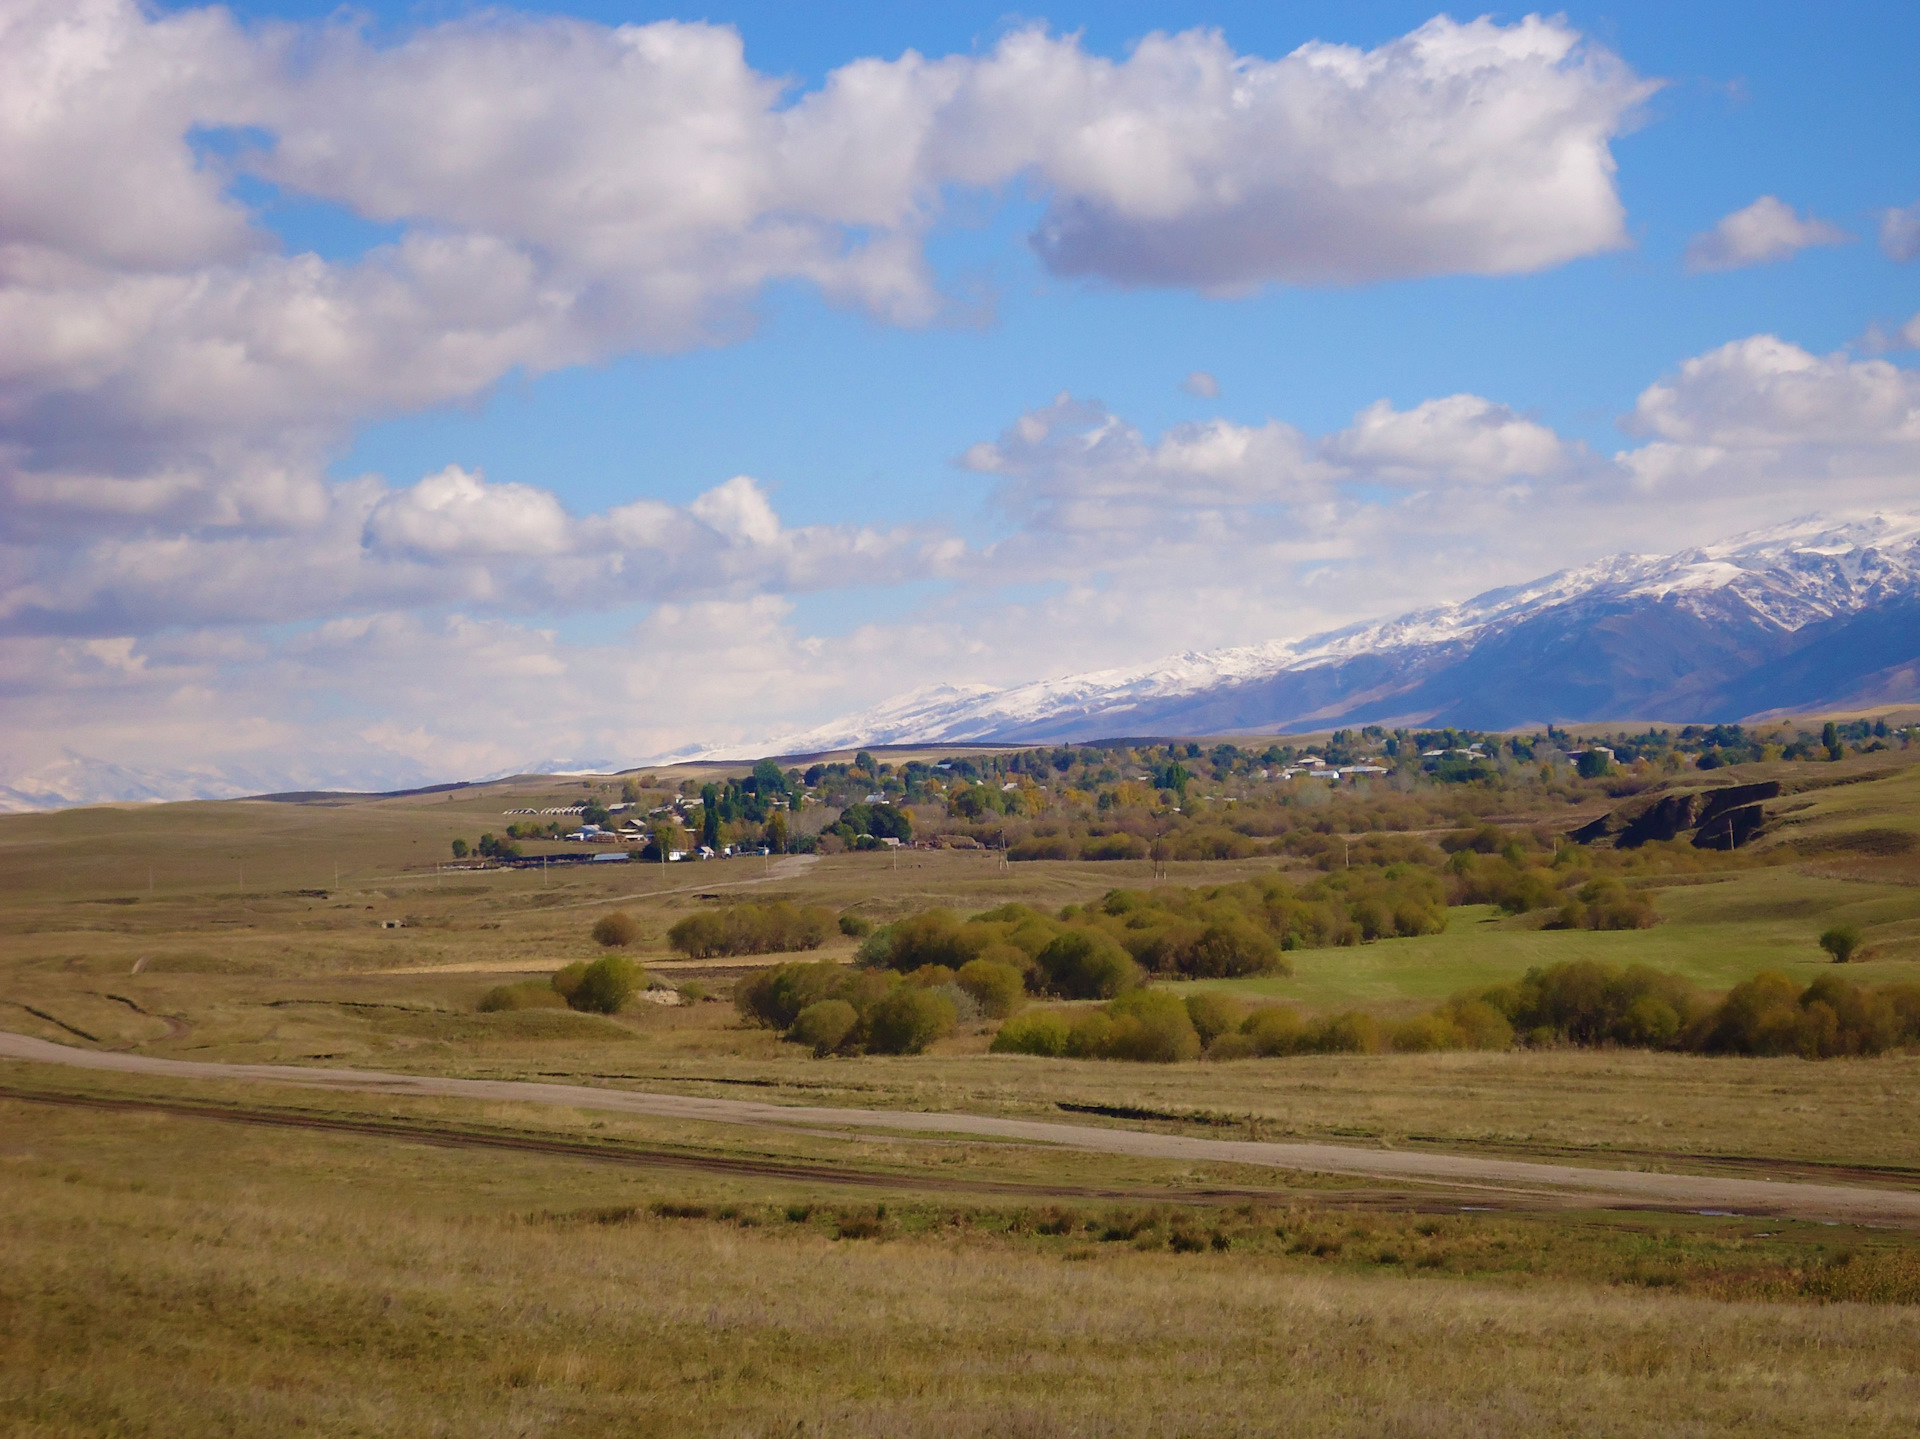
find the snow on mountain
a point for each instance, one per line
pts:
(1819, 613)
(1782, 579)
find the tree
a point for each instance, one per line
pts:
(606, 985)
(710, 817)
(1594, 764)
(629, 793)
(1830, 737)
(769, 779)
(459, 849)
(1841, 941)
(908, 1020)
(824, 1025)
(594, 813)
(616, 930)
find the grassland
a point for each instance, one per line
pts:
(169, 1272)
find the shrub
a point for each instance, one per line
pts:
(606, 985)
(1830, 1017)
(1274, 1029)
(616, 930)
(998, 988)
(908, 1019)
(775, 928)
(1151, 1026)
(1086, 964)
(528, 994)
(934, 936)
(824, 1025)
(1840, 942)
(1605, 903)
(1586, 1002)
(566, 981)
(1354, 1032)
(855, 926)
(774, 997)
(1213, 1015)
(1039, 1031)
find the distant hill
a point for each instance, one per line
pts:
(1818, 614)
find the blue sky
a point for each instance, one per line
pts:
(382, 278)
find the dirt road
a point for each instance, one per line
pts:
(1745, 1196)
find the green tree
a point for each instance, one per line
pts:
(1841, 941)
(1085, 964)
(824, 1025)
(606, 985)
(459, 849)
(710, 817)
(1830, 737)
(908, 1020)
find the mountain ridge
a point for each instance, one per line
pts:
(1698, 634)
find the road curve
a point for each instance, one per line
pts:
(1839, 1203)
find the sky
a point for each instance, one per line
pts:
(417, 392)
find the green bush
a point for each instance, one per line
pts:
(998, 988)
(855, 926)
(1214, 1015)
(566, 981)
(1586, 1002)
(908, 1019)
(774, 997)
(1274, 1029)
(1150, 1026)
(1086, 964)
(934, 936)
(606, 985)
(1840, 942)
(528, 994)
(776, 928)
(1039, 1031)
(616, 930)
(825, 1025)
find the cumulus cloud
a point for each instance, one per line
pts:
(1201, 385)
(1766, 231)
(1473, 148)
(1117, 545)
(452, 538)
(1461, 437)
(1761, 419)
(566, 191)
(1900, 233)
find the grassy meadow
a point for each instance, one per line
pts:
(170, 1270)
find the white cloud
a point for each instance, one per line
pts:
(1462, 437)
(453, 538)
(1900, 233)
(568, 191)
(1766, 231)
(1473, 148)
(1120, 545)
(1201, 385)
(457, 513)
(1763, 424)
(1879, 340)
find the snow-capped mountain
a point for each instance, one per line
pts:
(1817, 613)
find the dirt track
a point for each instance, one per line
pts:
(1561, 1182)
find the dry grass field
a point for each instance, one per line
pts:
(457, 1267)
